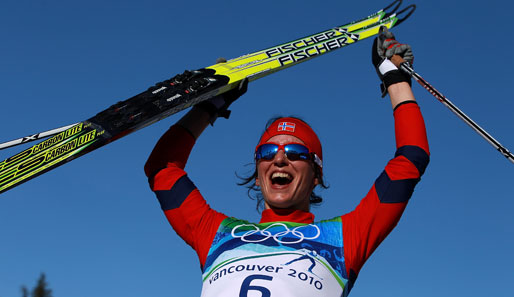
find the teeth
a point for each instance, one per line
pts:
(281, 175)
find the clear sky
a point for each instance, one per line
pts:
(94, 227)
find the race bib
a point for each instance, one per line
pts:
(275, 259)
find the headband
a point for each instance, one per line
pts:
(297, 128)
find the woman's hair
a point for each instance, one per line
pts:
(254, 191)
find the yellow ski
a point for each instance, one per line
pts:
(181, 92)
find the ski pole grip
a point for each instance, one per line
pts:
(397, 60)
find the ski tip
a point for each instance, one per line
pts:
(394, 9)
(408, 11)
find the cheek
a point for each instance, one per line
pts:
(306, 171)
(259, 178)
(313, 174)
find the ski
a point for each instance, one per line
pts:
(34, 137)
(352, 26)
(182, 91)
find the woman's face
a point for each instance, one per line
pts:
(285, 183)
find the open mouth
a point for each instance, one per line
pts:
(281, 178)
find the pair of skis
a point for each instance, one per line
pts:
(180, 92)
(186, 89)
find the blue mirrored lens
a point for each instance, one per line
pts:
(296, 151)
(293, 151)
(266, 151)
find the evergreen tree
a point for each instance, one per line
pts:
(40, 290)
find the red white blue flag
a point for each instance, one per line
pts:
(286, 126)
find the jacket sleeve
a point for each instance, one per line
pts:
(380, 210)
(183, 205)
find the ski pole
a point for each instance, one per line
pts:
(33, 137)
(407, 68)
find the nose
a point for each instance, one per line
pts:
(280, 158)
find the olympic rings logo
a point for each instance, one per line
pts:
(266, 233)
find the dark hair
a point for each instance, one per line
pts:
(254, 191)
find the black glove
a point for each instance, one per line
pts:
(218, 106)
(384, 47)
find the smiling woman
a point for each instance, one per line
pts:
(268, 148)
(286, 183)
(288, 253)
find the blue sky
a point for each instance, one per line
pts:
(94, 227)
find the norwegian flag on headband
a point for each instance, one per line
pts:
(286, 126)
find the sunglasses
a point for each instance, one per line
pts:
(293, 152)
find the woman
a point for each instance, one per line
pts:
(287, 253)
